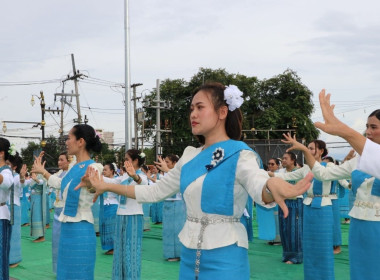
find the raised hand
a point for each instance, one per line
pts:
(23, 171)
(38, 165)
(293, 141)
(129, 168)
(161, 164)
(282, 190)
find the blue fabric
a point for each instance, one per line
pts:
(25, 206)
(357, 178)
(337, 232)
(174, 217)
(37, 225)
(156, 212)
(5, 238)
(266, 222)
(221, 177)
(123, 198)
(95, 209)
(364, 249)
(15, 249)
(47, 209)
(127, 248)
(73, 177)
(146, 210)
(55, 237)
(225, 263)
(107, 226)
(317, 190)
(318, 243)
(77, 251)
(344, 204)
(247, 221)
(291, 231)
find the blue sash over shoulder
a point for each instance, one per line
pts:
(358, 177)
(73, 177)
(219, 161)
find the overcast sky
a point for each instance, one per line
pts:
(330, 44)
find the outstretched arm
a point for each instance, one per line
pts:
(335, 127)
(278, 190)
(310, 160)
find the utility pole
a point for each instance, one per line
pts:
(127, 104)
(134, 86)
(159, 104)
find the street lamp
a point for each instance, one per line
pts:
(4, 127)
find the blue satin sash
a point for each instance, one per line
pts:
(220, 176)
(74, 177)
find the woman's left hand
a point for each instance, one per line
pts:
(282, 190)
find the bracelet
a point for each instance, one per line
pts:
(138, 178)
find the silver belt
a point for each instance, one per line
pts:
(367, 204)
(318, 195)
(205, 221)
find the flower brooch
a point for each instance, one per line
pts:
(217, 156)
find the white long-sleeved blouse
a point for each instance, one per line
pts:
(249, 179)
(299, 174)
(4, 193)
(366, 206)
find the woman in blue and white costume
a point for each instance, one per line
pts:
(215, 180)
(107, 215)
(19, 171)
(173, 215)
(54, 182)
(129, 221)
(6, 181)
(364, 244)
(318, 216)
(77, 243)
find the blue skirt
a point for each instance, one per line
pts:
(318, 243)
(55, 237)
(344, 204)
(337, 233)
(156, 212)
(95, 208)
(174, 217)
(25, 206)
(5, 239)
(15, 249)
(364, 249)
(127, 247)
(225, 263)
(146, 210)
(77, 251)
(107, 226)
(266, 222)
(291, 231)
(37, 228)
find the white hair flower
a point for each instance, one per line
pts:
(12, 150)
(233, 97)
(142, 155)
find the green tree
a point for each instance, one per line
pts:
(281, 102)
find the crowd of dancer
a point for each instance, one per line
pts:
(201, 199)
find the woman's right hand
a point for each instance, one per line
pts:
(38, 165)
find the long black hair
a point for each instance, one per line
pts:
(4, 146)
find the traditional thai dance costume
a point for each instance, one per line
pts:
(55, 183)
(156, 208)
(25, 204)
(107, 218)
(77, 242)
(5, 225)
(291, 228)
(369, 161)
(15, 249)
(364, 244)
(38, 207)
(128, 233)
(215, 184)
(174, 217)
(317, 240)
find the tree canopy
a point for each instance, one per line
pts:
(279, 103)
